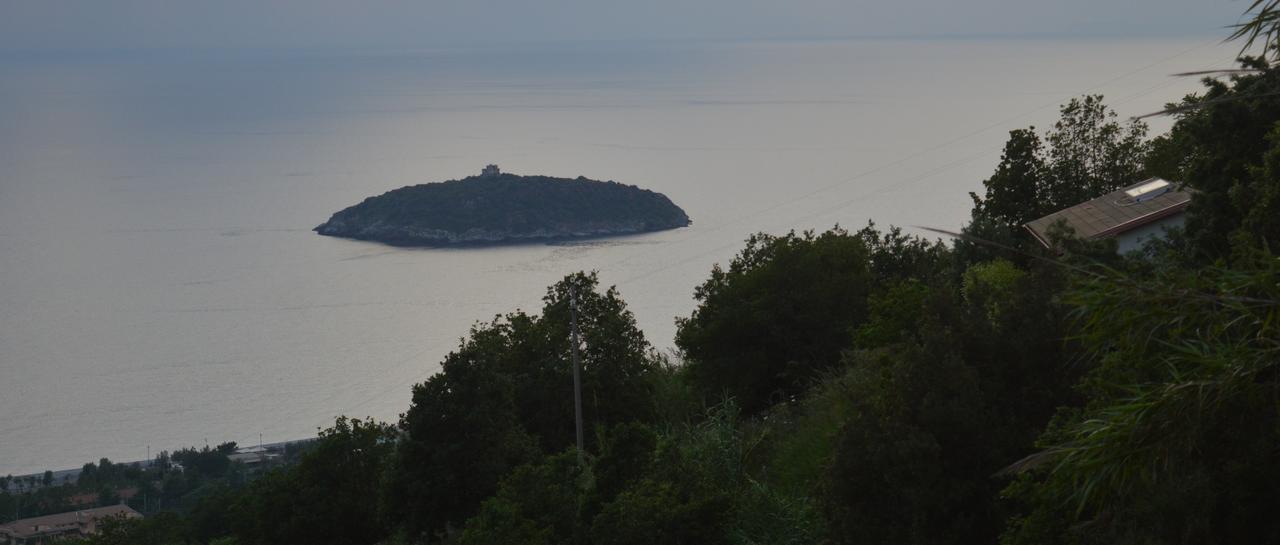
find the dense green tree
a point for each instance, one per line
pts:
(329, 497)
(950, 383)
(107, 496)
(1177, 443)
(1014, 192)
(1261, 200)
(160, 529)
(1090, 153)
(88, 476)
(663, 511)
(685, 496)
(211, 511)
(906, 469)
(1220, 146)
(897, 257)
(779, 315)
(505, 397)
(461, 435)
(626, 456)
(162, 461)
(698, 486)
(206, 462)
(1086, 154)
(617, 362)
(687, 485)
(894, 314)
(536, 503)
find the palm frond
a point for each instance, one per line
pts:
(1204, 103)
(1262, 23)
(1219, 72)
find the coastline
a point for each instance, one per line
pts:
(61, 475)
(512, 241)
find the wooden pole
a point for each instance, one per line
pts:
(577, 367)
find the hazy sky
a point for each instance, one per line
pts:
(219, 23)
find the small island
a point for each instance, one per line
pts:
(498, 208)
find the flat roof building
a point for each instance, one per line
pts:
(1131, 215)
(56, 528)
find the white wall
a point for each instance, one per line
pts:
(1134, 239)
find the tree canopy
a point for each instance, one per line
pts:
(505, 397)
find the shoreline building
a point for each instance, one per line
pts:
(254, 458)
(1132, 215)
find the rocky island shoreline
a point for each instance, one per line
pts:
(502, 208)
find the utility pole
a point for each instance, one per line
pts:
(577, 367)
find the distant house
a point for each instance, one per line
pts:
(490, 171)
(253, 457)
(1132, 215)
(59, 527)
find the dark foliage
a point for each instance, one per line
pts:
(1086, 154)
(208, 462)
(777, 317)
(329, 497)
(959, 382)
(780, 315)
(1222, 147)
(505, 398)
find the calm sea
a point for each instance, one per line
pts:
(160, 285)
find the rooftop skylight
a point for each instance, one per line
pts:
(1149, 190)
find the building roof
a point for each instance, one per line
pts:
(247, 457)
(1117, 212)
(24, 528)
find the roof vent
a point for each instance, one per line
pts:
(1148, 190)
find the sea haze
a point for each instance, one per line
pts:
(160, 284)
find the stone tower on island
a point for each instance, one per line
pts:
(490, 171)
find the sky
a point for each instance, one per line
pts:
(91, 24)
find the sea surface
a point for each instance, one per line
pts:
(160, 285)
